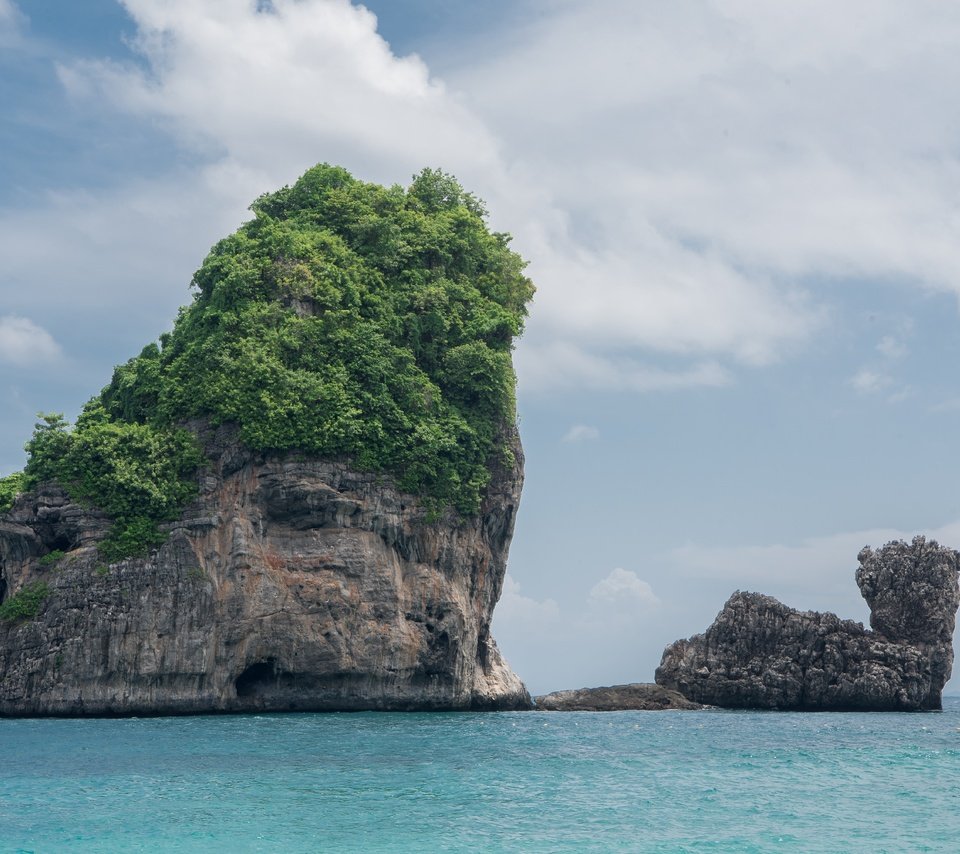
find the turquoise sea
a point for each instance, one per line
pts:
(627, 781)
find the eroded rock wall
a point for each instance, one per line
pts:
(289, 584)
(759, 653)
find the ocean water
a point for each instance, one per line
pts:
(710, 781)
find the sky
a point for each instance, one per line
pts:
(742, 219)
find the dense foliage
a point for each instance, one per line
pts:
(10, 487)
(344, 319)
(349, 319)
(137, 473)
(25, 604)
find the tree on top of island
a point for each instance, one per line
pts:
(345, 320)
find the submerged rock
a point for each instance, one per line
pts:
(289, 584)
(761, 654)
(639, 696)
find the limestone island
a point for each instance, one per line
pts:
(760, 654)
(300, 498)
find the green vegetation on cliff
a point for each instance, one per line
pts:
(139, 474)
(10, 486)
(25, 604)
(344, 319)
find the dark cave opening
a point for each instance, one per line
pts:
(256, 677)
(60, 543)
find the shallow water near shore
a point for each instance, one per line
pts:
(536, 781)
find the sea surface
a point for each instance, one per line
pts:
(711, 781)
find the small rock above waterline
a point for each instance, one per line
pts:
(761, 654)
(638, 696)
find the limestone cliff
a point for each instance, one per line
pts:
(761, 654)
(291, 583)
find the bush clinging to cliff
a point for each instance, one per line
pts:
(139, 474)
(10, 487)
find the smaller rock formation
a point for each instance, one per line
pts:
(761, 654)
(638, 696)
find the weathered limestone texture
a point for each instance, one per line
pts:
(637, 696)
(761, 654)
(289, 584)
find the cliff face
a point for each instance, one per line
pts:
(289, 584)
(761, 654)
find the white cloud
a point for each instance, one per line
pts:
(901, 394)
(518, 610)
(132, 249)
(9, 13)
(11, 19)
(255, 99)
(24, 343)
(680, 175)
(276, 92)
(266, 95)
(818, 570)
(892, 347)
(622, 589)
(867, 381)
(581, 433)
(598, 640)
(642, 289)
(712, 157)
(564, 364)
(951, 404)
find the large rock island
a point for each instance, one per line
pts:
(761, 654)
(303, 497)
(290, 584)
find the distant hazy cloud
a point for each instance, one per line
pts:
(950, 404)
(596, 640)
(819, 566)
(892, 347)
(581, 433)
(10, 20)
(564, 364)
(24, 343)
(9, 14)
(132, 248)
(622, 588)
(867, 381)
(520, 610)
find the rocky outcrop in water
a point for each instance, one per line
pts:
(637, 696)
(289, 584)
(761, 654)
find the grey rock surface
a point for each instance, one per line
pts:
(289, 584)
(639, 696)
(761, 654)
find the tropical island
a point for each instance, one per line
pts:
(302, 497)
